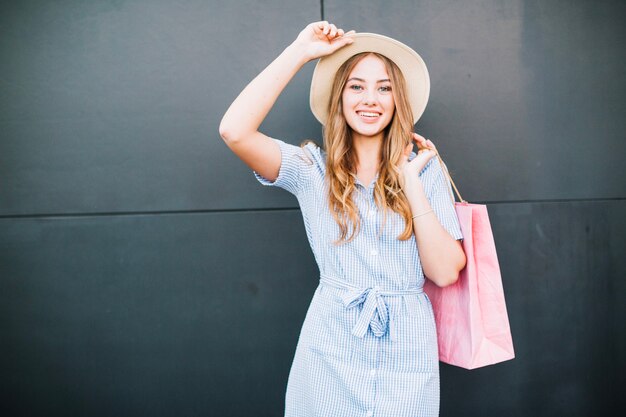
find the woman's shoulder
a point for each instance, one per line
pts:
(308, 154)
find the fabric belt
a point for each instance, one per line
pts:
(375, 312)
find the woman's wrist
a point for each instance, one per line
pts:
(416, 197)
(415, 216)
(298, 51)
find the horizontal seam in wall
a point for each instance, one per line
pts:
(147, 213)
(270, 209)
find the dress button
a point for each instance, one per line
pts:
(370, 413)
(371, 213)
(373, 372)
(373, 252)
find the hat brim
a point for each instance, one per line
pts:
(408, 61)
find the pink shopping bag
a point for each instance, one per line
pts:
(472, 322)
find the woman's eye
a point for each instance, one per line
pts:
(355, 87)
(385, 88)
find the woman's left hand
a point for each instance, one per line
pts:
(410, 170)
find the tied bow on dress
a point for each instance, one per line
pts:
(375, 312)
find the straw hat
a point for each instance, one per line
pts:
(410, 63)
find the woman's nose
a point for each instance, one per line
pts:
(369, 97)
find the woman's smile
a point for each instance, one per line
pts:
(368, 116)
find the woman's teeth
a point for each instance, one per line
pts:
(367, 114)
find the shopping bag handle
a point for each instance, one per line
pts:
(445, 170)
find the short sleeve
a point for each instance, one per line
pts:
(294, 165)
(440, 197)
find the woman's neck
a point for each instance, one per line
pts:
(367, 150)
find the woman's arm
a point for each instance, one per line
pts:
(441, 255)
(240, 124)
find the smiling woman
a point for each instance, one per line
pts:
(378, 218)
(367, 100)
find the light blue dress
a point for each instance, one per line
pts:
(368, 345)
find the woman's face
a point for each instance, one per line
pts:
(367, 100)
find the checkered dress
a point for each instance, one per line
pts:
(368, 345)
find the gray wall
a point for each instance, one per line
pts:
(143, 271)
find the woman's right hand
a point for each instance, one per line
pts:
(319, 39)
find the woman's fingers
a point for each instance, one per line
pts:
(419, 140)
(422, 142)
(340, 42)
(333, 31)
(425, 153)
(428, 153)
(328, 30)
(342, 35)
(323, 38)
(318, 27)
(323, 25)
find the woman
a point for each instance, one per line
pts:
(378, 218)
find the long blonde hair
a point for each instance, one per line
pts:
(341, 159)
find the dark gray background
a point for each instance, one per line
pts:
(143, 271)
